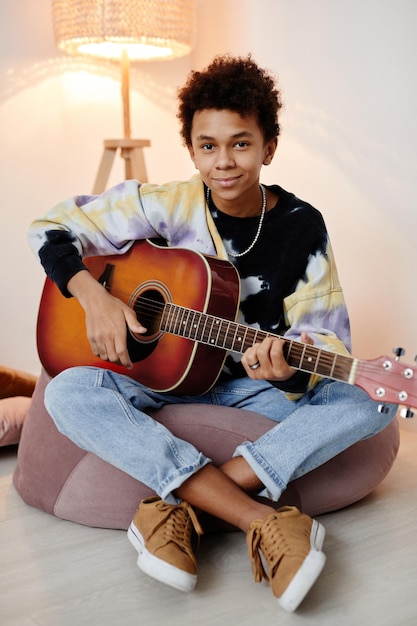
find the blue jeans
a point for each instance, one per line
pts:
(106, 413)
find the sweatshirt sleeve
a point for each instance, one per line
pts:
(60, 258)
(85, 226)
(108, 224)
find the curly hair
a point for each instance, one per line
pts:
(233, 83)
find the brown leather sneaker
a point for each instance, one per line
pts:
(161, 533)
(290, 543)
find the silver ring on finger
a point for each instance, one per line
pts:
(255, 366)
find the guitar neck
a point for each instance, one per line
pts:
(235, 337)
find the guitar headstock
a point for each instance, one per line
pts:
(388, 380)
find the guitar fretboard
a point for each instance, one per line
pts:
(235, 337)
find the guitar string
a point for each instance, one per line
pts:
(327, 359)
(148, 305)
(296, 348)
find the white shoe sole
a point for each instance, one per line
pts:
(157, 568)
(308, 573)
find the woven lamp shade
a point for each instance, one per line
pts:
(146, 29)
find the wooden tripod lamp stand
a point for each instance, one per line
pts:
(125, 30)
(131, 150)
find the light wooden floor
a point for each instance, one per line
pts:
(56, 573)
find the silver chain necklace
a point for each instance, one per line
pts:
(258, 231)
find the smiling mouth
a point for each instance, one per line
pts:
(226, 182)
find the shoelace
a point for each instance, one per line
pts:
(179, 523)
(274, 547)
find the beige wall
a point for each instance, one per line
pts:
(347, 71)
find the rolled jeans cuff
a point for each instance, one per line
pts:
(173, 482)
(274, 486)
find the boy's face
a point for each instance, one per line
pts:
(229, 151)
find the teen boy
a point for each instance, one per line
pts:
(281, 250)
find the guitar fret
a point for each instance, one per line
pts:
(261, 335)
(334, 361)
(231, 336)
(166, 318)
(187, 323)
(214, 331)
(249, 338)
(179, 314)
(310, 359)
(198, 325)
(193, 326)
(203, 335)
(175, 312)
(342, 367)
(224, 326)
(239, 338)
(207, 329)
(173, 319)
(291, 352)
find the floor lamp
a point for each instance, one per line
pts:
(126, 31)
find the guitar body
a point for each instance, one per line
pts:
(145, 278)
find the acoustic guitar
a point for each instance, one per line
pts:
(188, 302)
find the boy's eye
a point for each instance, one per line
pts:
(241, 144)
(207, 146)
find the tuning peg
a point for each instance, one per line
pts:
(382, 408)
(406, 413)
(399, 352)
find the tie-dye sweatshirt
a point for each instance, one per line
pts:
(293, 240)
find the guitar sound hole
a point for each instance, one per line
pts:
(149, 307)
